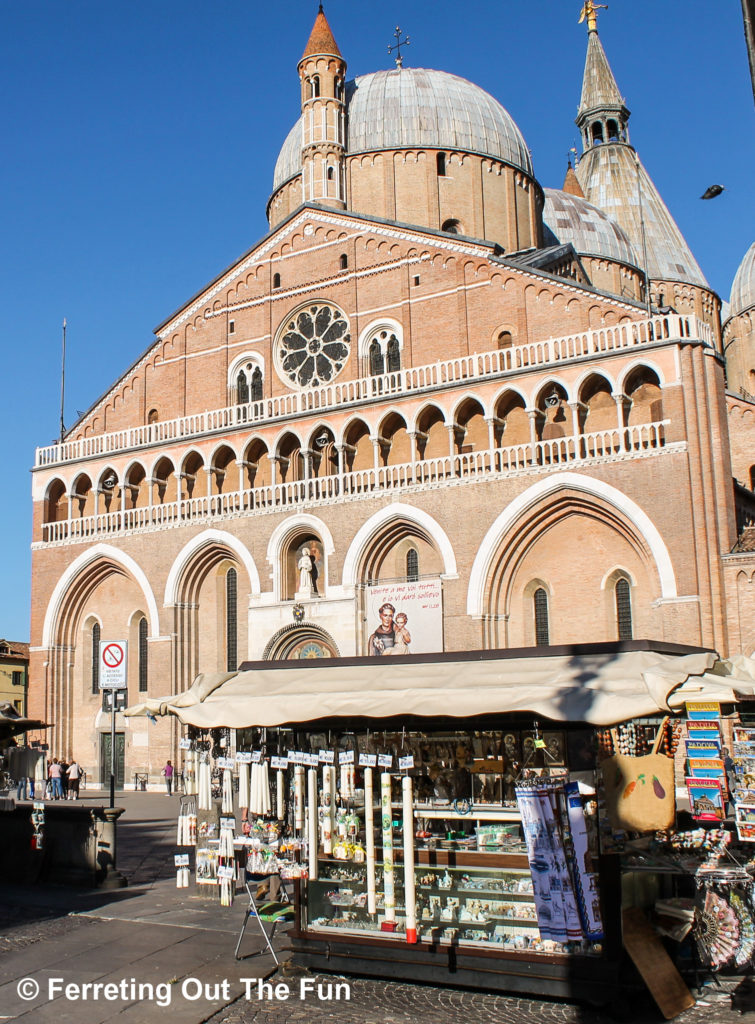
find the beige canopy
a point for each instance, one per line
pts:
(602, 688)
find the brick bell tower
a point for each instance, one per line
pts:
(322, 72)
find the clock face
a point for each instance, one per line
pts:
(313, 346)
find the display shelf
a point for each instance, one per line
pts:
(445, 904)
(475, 813)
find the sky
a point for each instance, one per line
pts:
(140, 136)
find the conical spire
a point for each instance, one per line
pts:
(571, 184)
(599, 88)
(321, 38)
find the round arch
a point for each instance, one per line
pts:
(302, 640)
(391, 513)
(587, 485)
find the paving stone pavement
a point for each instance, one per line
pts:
(391, 1002)
(159, 933)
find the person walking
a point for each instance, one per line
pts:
(74, 776)
(56, 774)
(168, 773)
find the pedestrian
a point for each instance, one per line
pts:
(74, 775)
(168, 773)
(56, 774)
(64, 779)
(21, 788)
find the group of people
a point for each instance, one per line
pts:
(63, 780)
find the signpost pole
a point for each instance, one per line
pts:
(113, 679)
(112, 747)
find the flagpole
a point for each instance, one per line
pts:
(63, 383)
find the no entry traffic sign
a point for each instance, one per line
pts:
(113, 664)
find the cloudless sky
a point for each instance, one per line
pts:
(139, 139)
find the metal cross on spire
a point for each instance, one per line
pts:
(399, 43)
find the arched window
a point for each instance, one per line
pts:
(451, 226)
(96, 658)
(231, 621)
(505, 339)
(412, 565)
(440, 161)
(143, 678)
(344, 261)
(330, 173)
(393, 355)
(242, 388)
(597, 133)
(613, 131)
(315, 85)
(376, 359)
(257, 385)
(276, 280)
(542, 634)
(152, 416)
(623, 610)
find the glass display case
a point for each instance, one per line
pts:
(459, 901)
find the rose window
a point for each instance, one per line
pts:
(313, 346)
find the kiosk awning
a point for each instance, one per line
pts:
(601, 687)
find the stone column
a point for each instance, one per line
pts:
(533, 414)
(620, 400)
(579, 448)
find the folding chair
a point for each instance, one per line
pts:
(269, 912)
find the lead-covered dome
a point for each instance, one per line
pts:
(570, 218)
(743, 288)
(415, 108)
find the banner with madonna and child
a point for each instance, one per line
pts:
(404, 618)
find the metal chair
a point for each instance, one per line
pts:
(258, 913)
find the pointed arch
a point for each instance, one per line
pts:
(219, 538)
(119, 562)
(639, 519)
(392, 513)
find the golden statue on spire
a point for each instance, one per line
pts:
(590, 11)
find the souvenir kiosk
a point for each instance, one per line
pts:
(446, 806)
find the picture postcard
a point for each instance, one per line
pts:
(706, 799)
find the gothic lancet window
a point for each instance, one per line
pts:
(257, 385)
(623, 610)
(143, 678)
(412, 565)
(96, 658)
(231, 620)
(393, 355)
(542, 632)
(376, 359)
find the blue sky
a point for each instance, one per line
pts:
(140, 139)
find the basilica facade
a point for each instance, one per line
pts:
(438, 407)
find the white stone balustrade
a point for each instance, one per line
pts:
(497, 463)
(413, 380)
